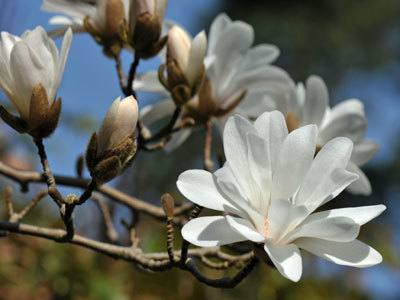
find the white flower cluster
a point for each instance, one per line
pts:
(287, 151)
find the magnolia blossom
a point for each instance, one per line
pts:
(138, 7)
(111, 149)
(30, 60)
(234, 71)
(119, 122)
(310, 105)
(269, 188)
(189, 54)
(77, 11)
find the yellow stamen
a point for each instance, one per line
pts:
(291, 121)
(266, 224)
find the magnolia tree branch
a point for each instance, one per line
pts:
(147, 261)
(26, 177)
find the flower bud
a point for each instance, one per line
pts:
(185, 67)
(30, 73)
(144, 28)
(104, 25)
(111, 149)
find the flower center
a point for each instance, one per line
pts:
(291, 121)
(266, 224)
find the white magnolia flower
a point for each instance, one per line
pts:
(270, 186)
(310, 105)
(233, 67)
(138, 7)
(30, 60)
(77, 11)
(119, 122)
(189, 54)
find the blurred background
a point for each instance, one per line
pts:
(353, 45)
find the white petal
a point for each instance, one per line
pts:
(236, 152)
(346, 119)
(217, 28)
(65, 46)
(230, 188)
(364, 151)
(161, 7)
(318, 182)
(60, 31)
(272, 127)
(338, 229)
(7, 43)
(27, 70)
(210, 231)
(245, 228)
(360, 215)
(107, 126)
(260, 169)
(148, 82)
(196, 57)
(355, 253)
(74, 9)
(200, 187)
(154, 112)
(316, 102)
(283, 216)
(286, 259)
(362, 186)
(294, 160)
(177, 139)
(125, 122)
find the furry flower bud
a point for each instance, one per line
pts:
(185, 67)
(111, 149)
(144, 27)
(30, 72)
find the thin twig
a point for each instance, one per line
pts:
(120, 72)
(131, 77)
(224, 282)
(110, 229)
(26, 177)
(208, 163)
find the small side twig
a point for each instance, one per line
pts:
(112, 234)
(185, 244)
(208, 163)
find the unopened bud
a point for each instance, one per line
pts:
(185, 63)
(168, 205)
(111, 149)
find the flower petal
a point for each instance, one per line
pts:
(317, 100)
(295, 158)
(362, 186)
(364, 151)
(65, 46)
(354, 253)
(148, 82)
(286, 259)
(282, 217)
(245, 228)
(236, 152)
(196, 57)
(27, 70)
(360, 215)
(319, 181)
(338, 229)
(154, 112)
(200, 187)
(107, 126)
(272, 127)
(346, 119)
(210, 231)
